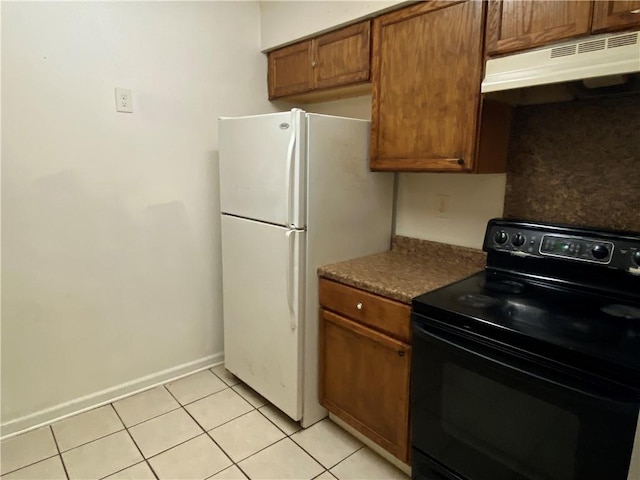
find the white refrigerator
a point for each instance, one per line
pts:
(295, 193)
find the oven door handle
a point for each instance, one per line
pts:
(523, 366)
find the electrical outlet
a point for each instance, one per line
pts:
(442, 205)
(124, 100)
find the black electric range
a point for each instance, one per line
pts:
(530, 369)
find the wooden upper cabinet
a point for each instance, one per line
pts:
(289, 70)
(335, 59)
(342, 57)
(615, 15)
(514, 25)
(426, 73)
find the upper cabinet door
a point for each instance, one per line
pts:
(336, 59)
(522, 24)
(426, 73)
(290, 70)
(342, 57)
(615, 15)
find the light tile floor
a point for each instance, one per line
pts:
(208, 425)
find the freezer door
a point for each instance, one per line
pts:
(262, 167)
(262, 299)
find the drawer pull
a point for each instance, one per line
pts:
(401, 353)
(359, 306)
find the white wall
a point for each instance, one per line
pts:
(356, 107)
(285, 21)
(111, 255)
(473, 200)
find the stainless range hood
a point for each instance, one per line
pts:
(595, 61)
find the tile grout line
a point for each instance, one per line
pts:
(258, 451)
(40, 460)
(246, 399)
(144, 421)
(226, 385)
(262, 449)
(308, 453)
(183, 407)
(317, 476)
(241, 470)
(207, 433)
(94, 440)
(201, 398)
(136, 445)
(180, 405)
(31, 464)
(304, 450)
(350, 455)
(55, 440)
(276, 425)
(254, 408)
(90, 441)
(223, 380)
(124, 427)
(288, 436)
(222, 424)
(233, 463)
(185, 441)
(322, 464)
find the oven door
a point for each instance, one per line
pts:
(482, 412)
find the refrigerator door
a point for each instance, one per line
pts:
(262, 274)
(262, 168)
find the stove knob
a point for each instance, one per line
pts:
(599, 251)
(635, 258)
(501, 237)
(518, 240)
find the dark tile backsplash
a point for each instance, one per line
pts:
(576, 163)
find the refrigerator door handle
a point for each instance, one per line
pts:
(290, 159)
(291, 236)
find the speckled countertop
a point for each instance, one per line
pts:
(410, 268)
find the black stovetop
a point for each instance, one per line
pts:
(581, 324)
(540, 319)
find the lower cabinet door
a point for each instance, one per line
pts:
(364, 380)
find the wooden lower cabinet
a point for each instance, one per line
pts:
(364, 380)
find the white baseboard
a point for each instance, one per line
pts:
(78, 405)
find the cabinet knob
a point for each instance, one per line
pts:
(359, 306)
(461, 161)
(313, 63)
(401, 353)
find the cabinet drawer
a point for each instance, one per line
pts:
(377, 312)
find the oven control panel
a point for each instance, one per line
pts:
(569, 243)
(587, 249)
